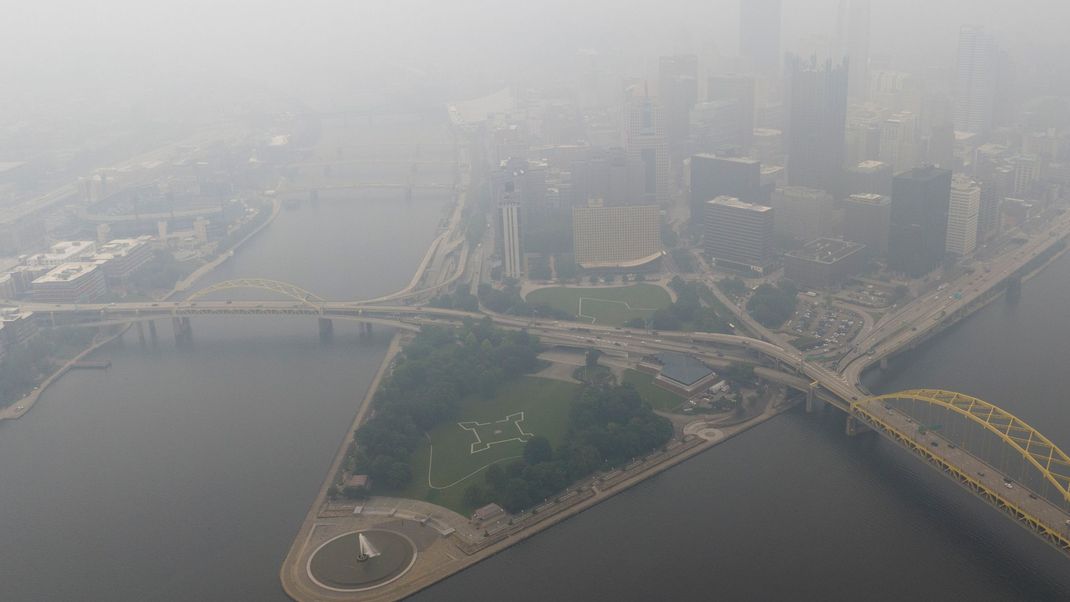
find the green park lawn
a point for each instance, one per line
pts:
(454, 458)
(605, 306)
(658, 398)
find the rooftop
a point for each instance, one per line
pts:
(869, 198)
(682, 368)
(731, 201)
(826, 250)
(745, 160)
(66, 273)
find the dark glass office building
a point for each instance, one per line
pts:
(918, 231)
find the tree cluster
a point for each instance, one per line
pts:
(772, 304)
(608, 426)
(435, 371)
(23, 366)
(461, 299)
(688, 312)
(159, 273)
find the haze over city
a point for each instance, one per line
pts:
(472, 300)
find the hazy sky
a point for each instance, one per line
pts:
(50, 46)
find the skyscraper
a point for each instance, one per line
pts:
(713, 176)
(962, 214)
(866, 218)
(759, 35)
(918, 233)
(817, 117)
(898, 144)
(975, 81)
(678, 93)
(646, 143)
(739, 89)
(857, 46)
(511, 245)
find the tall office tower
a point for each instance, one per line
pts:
(645, 142)
(712, 177)
(740, 89)
(918, 233)
(511, 243)
(898, 143)
(854, 37)
(994, 188)
(1026, 174)
(738, 234)
(862, 139)
(962, 213)
(817, 116)
(803, 214)
(616, 237)
(678, 93)
(866, 219)
(759, 35)
(868, 177)
(941, 151)
(975, 81)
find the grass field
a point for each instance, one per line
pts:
(488, 431)
(607, 306)
(658, 398)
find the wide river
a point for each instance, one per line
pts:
(183, 473)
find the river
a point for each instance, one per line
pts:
(182, 473)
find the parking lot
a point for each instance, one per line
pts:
(822, 327)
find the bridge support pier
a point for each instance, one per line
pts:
(365, 328)
(855, 427)
(140, 332)
(884, 363)
(326, 328)
(811, 399)
(183, 329)
(152, 330)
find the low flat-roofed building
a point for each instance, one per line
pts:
(63, 252)
(488, 512)
(823, 262)
(122, 257)
(70, 283)
(678, 372)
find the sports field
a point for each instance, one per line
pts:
(488, 431)
(611, 306)
(658, 398)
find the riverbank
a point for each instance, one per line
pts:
(19, 408)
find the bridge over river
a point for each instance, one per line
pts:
(984, 449)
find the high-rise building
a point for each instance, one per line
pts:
(866, 220)
(975, 81)
(817, 116)
(963, 208)
(738, 234)
(740, 89)
(803, 213)
(857, 42)
(678, 93)
(616, 237)
(511, 245)
(1026, 174)
(868, 177)
(995, 187)
(918, 232)
(759, 35)
(898, 144)
(712, 177)
(646, 143)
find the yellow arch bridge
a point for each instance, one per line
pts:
(991, 452)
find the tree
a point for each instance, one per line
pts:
(537, 450)
(635, 323)
(515, 496)
(476, 495)
(591, 358)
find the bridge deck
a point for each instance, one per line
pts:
(1036, 513)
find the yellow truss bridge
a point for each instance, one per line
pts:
(991, 452)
